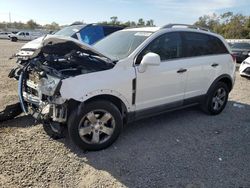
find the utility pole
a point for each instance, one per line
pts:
(9, 17)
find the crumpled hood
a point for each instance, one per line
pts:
(34, 44)
(33, 48)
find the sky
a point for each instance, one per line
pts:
(92, 11)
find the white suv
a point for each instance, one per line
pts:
(131, 74)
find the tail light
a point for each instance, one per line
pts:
(234, 58)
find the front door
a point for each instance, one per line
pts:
(162, 85)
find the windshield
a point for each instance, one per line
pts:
(69, 31)
(241, 45)
(121, 44)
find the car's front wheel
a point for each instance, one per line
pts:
(13, 39)
(95, 127)
(216, 99)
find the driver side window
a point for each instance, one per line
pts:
(167, 46)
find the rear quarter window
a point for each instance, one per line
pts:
(217, 45)
(199, 44)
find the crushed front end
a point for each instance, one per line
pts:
(39, 94)
(40, 76)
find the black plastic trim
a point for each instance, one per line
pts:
(133, 91)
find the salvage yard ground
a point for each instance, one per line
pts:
(185, 148)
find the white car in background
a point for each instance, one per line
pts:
(5, 35)
(26, 35)
(245, 67)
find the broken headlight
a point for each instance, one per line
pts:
(50, 85)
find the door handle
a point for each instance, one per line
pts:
(181, 70)
(214, 64)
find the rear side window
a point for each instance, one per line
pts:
(217, 46)
(198, 44)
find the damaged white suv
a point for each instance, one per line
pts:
(131, 74)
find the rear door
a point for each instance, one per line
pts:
(199, 63)
(27, 36)
(205, 55)
(21, 36)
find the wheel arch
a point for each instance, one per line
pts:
(118, 102)
(225, 78)
(111, 98)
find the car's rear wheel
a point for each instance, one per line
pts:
(96, 127)
(216, 99)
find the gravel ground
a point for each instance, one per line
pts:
(186, 149)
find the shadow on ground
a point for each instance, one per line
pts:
(20, 121)
(185, 148)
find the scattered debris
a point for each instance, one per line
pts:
(220, 159)
(238, 105)
(10, 112)
(217, 132)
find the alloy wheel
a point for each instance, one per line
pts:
(219, 99)
(96, 127)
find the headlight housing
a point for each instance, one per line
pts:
(50, 85)
(245, 62)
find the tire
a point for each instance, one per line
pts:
(10, 112)
(216, 99)
(13, 39)
(95, 127)
(54, 130)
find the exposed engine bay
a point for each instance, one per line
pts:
(40, 76)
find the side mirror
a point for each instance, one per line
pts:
(249, 54)
(150, 59)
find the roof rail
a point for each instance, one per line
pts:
(185, 25)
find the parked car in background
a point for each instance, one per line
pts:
(5, 35)
(240, 51)
(25, 35)
(245, 67)
(89, 33)
(129, 75)
(230, 44)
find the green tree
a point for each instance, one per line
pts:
(227, 24)
(31, 24)
(141, 22)
(114, 20)
(52, 27)
(150, 23)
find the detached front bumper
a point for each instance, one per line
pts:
(40, 106)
